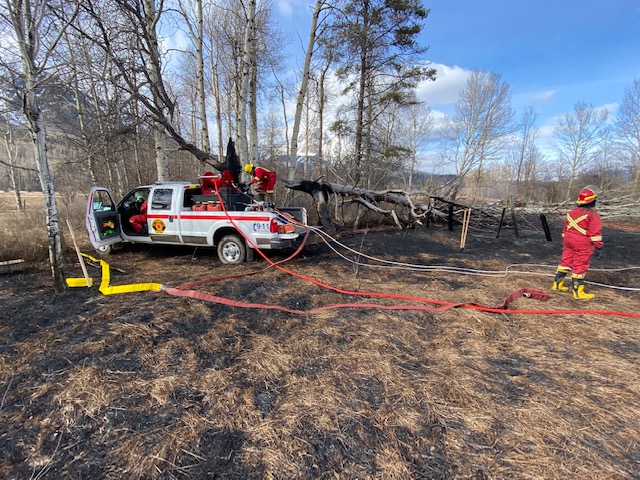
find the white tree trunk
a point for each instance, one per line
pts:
(204, 127)
(27, 17)
(249, 37)
(162, 157)
(12, 152)
(215, 82)
(253, 106)
(38, 133)
(303, 88)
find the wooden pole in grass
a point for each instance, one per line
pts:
(466, 219)
(82, 265)
(504, 210)
(466, 230)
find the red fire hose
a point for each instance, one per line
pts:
(186, 291)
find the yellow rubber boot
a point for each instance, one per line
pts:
(558, 282)
(578, 290)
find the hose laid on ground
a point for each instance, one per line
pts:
(107, 289)
(394, 265)
(183, 291)
(521, 293)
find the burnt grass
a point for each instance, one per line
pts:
(149, 385)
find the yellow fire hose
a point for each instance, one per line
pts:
(105, 288)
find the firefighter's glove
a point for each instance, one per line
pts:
(599, 253)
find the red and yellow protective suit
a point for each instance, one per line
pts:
(266, 179)
(138, 222)
(582, 233)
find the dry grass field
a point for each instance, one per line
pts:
(153, 386)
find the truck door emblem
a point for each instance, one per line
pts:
(158, 225)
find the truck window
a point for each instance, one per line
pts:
(102, 202)
(189, 193)
(161, 199)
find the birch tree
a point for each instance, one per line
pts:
(525, 155)
(304, 81)
(195, 28)
(627, 126)
(475, 134)
(577, 138)
(416, 127)
(38, 26)
(247, 60)
(127, 30)
(12, 151)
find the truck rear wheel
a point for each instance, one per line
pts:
(231, 250)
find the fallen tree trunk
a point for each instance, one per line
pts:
(11, 266)
(413, 212)
(404, 209)
(320, 193)
(407, 209)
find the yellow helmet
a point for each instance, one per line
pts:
(248, 167)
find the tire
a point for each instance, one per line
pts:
(109, 249)
(106, 250)
(231, 250)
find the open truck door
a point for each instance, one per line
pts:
(102, 220)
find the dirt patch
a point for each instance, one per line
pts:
(148, 385)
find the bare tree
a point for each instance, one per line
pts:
(104, 129)
(195, 29)
(323, 100)
(38, 26)
(606, 161)
(627, 126)
(282, 89)
(526, 145)
(248, 60)
(302, 92)
(524, 156)
(577, 138)
(476, 133)
(128, 33)
(12, 150)
(415, 128)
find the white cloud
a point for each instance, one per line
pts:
(612, 108)
(545, 138)
(177, 40)
(447, 86)
(544, 96)
(287, 7)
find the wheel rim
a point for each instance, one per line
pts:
(231, 252)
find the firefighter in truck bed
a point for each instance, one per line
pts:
(265, 180)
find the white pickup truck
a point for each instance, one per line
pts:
(190, 214)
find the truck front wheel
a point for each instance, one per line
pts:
(109, 249)
(231, 250)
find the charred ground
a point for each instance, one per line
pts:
(147, 385)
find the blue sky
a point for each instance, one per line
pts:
(552, 53)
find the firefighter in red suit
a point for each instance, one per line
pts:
(265, 179)
(139, 221)
(581, 236)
